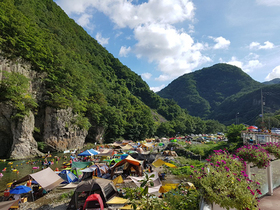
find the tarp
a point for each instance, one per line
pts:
(70, 186)
(46, 178)
(148, 145)
(155, 180)
(117, 200)
(86, 153)
(127, 147)
(118, 180)
(94, 152)
(160, 162)
(80, 164)
(90, 169)
(123, 156)
(167, 187)
(106, 152)
(7, 204)
(68, 177)
(129, 207)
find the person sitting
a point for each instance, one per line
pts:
(251, 141)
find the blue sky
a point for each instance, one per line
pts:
(164, 39)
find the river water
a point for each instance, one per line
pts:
(24, 167)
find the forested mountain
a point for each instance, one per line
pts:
(272, 82)
(203, 91)
(74, 72)
(246, 107)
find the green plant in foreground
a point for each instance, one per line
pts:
(223, 180)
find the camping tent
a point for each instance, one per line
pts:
(68, 177)
(89, 152)
(130, 163)
(104, 187)
(118, 180)
(94, 152)
(46, 178)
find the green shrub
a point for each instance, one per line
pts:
(41, 146)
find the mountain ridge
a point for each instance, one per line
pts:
(202, 91)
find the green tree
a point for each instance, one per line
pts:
(234, 132)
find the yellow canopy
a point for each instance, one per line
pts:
(117, 200)
(167, 187)
(118, 180)
(160, 162)
(129, 207)
(170, 165)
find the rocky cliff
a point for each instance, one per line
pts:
(56, 128)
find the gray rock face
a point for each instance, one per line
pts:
(24, 145)
(56, 126)
(6, 136)
(59, 131)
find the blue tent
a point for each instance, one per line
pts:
(94, 152)
(86, 153)
(68, 177)
(123, 156)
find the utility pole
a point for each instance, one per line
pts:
(236, 118)
(262, 106)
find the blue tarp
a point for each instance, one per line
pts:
(94, 152)
(124, 156)
(68, 177)
(86, 153)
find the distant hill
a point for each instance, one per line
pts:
(248, 105)
(203, 91)
(272, 82)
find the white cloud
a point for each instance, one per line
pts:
(174, 51)
(146, 75)
(156, 89)
(258, 46)
(124, 51)
(274, 74)
(247, 67)
(222, 43)
(125, 14)
(84, 20)
(269, 2)
(163, 78)
(252, 65)
(101, 40)
(235, 62)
